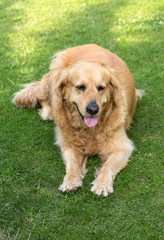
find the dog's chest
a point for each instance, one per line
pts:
(88, 143)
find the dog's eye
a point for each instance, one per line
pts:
(100, 88)
(81, 87)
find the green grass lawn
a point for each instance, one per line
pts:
(31, 167)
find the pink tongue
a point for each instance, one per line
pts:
(91, 122)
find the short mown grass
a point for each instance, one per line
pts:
(31, 167)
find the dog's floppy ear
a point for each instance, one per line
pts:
(60, 87)
(116, 87)
(119, 112)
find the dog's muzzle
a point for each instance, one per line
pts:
(91, 119)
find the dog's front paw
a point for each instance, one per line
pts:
(71, 183)
(102, 186)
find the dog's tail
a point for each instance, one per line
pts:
(139, 93)
(27, 97)
(33, 93)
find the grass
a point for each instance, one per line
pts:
(31, 206)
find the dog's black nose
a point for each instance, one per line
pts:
(92, 108)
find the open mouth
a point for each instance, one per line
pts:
(89, 121)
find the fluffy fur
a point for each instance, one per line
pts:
(91, 95)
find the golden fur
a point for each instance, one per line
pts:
(78, 77)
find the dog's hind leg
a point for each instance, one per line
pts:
(46, 111)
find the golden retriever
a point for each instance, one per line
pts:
(90, 94)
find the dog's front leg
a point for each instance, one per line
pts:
(75, 169)
(116, 160)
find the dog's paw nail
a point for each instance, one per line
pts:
(102, 190)
(70, 185)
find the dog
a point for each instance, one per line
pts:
(90, 94)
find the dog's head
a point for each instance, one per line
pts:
(88, 87)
